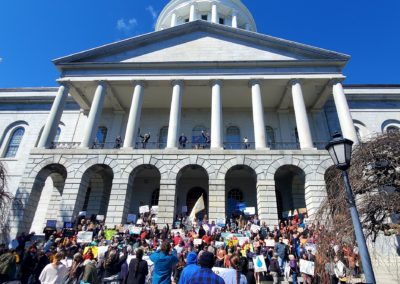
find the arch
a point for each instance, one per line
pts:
(390, 123)
(100, 159)
(233, 138)
(289, 189)
(322, 168)
(163, 137)
(361, 129)
(290, 161)
(240, 189)
(244, 161)
(14, 142)
(193, 160)
(52, 160)
(9, 129)
(145, 160)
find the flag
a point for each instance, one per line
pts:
(197, 208)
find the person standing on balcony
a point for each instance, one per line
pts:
(145, 139)
(246, 142)
(182, 141)
(118, 142)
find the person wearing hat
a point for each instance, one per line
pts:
(274, 269)
(190, 268)
(205, 275)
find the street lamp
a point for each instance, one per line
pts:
(340, 151)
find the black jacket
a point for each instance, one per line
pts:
(139, 276)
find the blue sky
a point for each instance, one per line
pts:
(32, 33)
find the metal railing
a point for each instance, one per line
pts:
(65, 145)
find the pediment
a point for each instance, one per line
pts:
(201, 42)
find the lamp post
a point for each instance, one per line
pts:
(340, 151)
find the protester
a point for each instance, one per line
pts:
(190, 268)
(55, 272)
(138, 269)
(205, 275)
(163, 264)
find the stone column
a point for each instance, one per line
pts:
(343, 111)
(315, 193)
(214, 13)
(234, 19)
(173, 19)
(216, 200)
(166, 202)
(303, 127)
(53, 120)
(94, 115)
(192, 15)
(73, 198)
(266, 202)
(216, 115)
(175, 115)
(134, 115)
(258, 115)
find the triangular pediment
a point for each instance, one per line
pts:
(201, 42)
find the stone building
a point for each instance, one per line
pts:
(204, 73)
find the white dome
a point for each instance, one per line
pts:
(227, 12)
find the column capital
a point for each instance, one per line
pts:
(102, 83)
(216, 81)
(177, 82)
(294, 82)
(65, 84)
(335, 81)
(140, 83)
(253, 82)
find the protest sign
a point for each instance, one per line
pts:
(131, 218)
(249, 211)
(51, 224)
(154, 210)
(144, 209)
(255, 228)
(108, 234)
(286, 241)
(307, 267)
(269, 243)
(197, 241)
(302, 210)
(206, 227)
(243, 240)
(139, 221)
(176, 231)
(259, 264)
(101, 251)
(100, 218)
(135, 230)
(224, 273)
(95, 251)
(221, 222)
(219, 244)
(84, 237)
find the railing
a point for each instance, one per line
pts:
(187, 146)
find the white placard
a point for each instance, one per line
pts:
(100, 218)
(269, 243)
(82, 213)
(101, 252)
(243, 240)
(135, 230)
(139, 221)
(206, 227)
(250, 211)
(224, 273)
(154, 210)
(307, 267)
(131, 218)
(184, 209)
(259, 264)
(144, 209)
(197, 241)
(84, 237)
(176, 231)
(255, 228)
(219, 244)
(220, 222)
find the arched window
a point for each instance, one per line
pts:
(392, 129)
(154, 197)
(197, 137)
(270, 133)
(358, 133)
(57, 137)
(101, 136)
(236, 195)
(233, 138)
(14, 142)
(163, 137)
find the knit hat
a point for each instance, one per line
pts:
(206, 259)
(191, 258)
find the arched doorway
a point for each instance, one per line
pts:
(289, 188)
(45, 198)
(240, 189)
(192, 182)
(95, 189)
(143, 188)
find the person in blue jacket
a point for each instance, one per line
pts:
(163, 261)
(190, 268)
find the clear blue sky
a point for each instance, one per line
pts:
(32, 33)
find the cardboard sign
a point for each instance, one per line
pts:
(108, 234)
(100, 218)
(302, 210)
(95, 251)
(255, 228)
(84, 237)
(135, 230)
(224, 273)
(51, 224)
(307, 267)
(82, 213)
(101, 251)
(249, 211)
(144, 209)
(154, 210)
(184, 209)
(269, 243)
(219, 244)
(220, 222)
(259, 264)
(131, 218)
(197, 241)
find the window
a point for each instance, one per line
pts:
(101, 134)
(154, 197)
(236, 194)
(233, 138)
(163, 137)
(221, 21)
(57, 137)
(14, 142)
(197, 137)
(392, 129)
(204, 17)
(269, 131)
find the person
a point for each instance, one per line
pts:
(145, 139)
(190, 268)
(8, 265)
(330, 270)
(54, 273)
(281, 250)
(206, 138)
(112, 265)
(138, 269)
(163, 264)
(246, 142)
(90, 271)
(293, 268)
(274, 268)
(75, 273)
(307, 279)
(340, 270)
(118, 142)
(182, 141)
(233, 275)
(205, 275)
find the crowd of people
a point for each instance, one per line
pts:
(240, 251)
